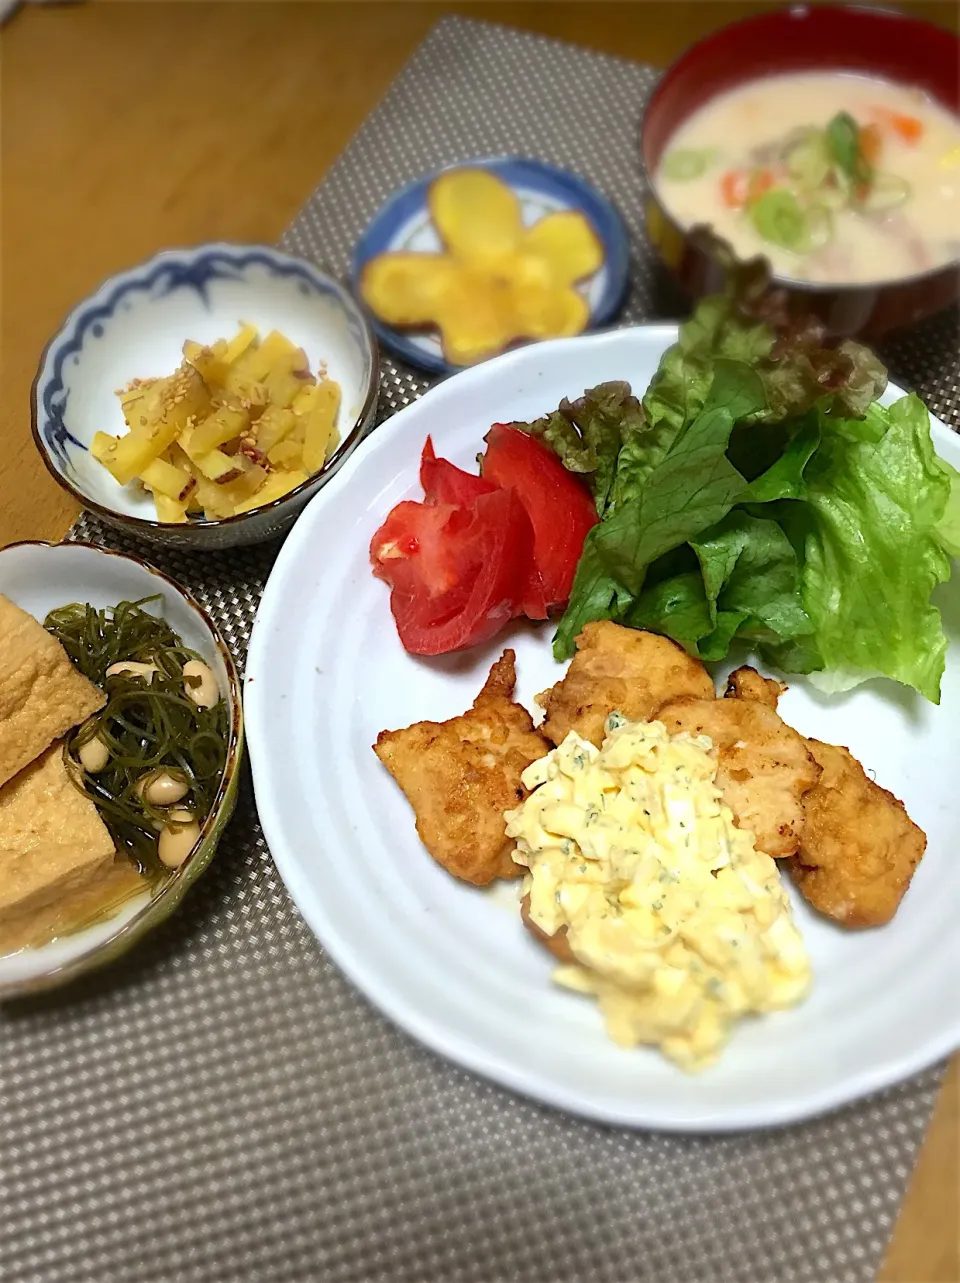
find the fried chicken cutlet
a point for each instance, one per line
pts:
(461, 775)
(747, 683)
(619, 668)
(859, 847)
(764, 767)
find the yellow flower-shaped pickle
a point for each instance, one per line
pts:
(548, 311)
(476, 215)
(475, 316)
(406, 289)
(496, 280)
(567, 244)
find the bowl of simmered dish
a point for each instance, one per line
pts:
(121, 738)
(824, 140)
(200, 399)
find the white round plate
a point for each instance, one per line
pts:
(452, 964)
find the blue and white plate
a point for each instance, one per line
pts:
(404, 223)
(134, 326)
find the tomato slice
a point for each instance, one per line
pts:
(457, 574)
(419, 548)
(444, 482)
(560, 508)
(534, 602)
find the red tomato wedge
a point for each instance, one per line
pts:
(457, 574)
(419, 548)
(482, 550)
(534, 602)
(560, 508)
(444, 482)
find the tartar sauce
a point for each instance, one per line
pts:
(679, 925)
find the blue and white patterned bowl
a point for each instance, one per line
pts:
(404, 223)
(135, 325)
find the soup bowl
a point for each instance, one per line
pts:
(876, 42)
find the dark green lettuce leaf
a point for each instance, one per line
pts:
(595, 595)
(677, 607)
(731, 386)
(746, 587)
(802, 655)
(783, 478)
(749, 568)
(691, 487)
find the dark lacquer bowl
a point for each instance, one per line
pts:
(872, 41)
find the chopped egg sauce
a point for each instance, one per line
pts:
(678, 924)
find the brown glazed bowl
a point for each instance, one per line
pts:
(878, 42)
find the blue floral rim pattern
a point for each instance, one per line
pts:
(169, 271)
(558, 185)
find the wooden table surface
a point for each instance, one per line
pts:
(126, 128)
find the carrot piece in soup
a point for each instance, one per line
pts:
(909, 128)
(760, 181)
(733, 188)
(871, 143)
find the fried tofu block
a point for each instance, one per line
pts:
(619, 668)
(53, 843)
(41, 693)
(461, 775)
(764, 767)
(859, 848)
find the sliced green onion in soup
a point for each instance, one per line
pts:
(843, 141)
(808, 159)
(684, 163)
(779, 218)
(835, 190)
(886, 191)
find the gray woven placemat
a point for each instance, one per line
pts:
(222, 1105)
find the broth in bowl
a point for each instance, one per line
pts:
(834, 178)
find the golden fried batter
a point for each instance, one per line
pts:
(859, 847)
(619, 668)
(461, 775)
(763, 770)
(746, 683)
(558, 944)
